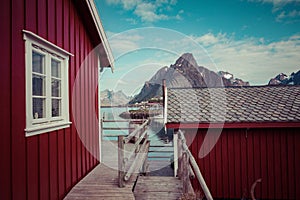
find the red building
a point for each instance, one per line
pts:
(49, 103)
(240, 135)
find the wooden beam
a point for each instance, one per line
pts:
(135, 132)
(121, 164)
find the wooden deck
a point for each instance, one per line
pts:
(102, 182)
(158, 187)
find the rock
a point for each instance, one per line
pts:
(185, 73)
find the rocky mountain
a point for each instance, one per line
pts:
(185, 73)
(111, 98)
(283, 79)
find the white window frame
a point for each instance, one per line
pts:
(50, 51)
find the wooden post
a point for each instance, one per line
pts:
(121, 164)
(185, 174)
(179, 150)
(101, 129)
(175, 144)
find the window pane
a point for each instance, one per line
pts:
(55, 68)
(56, 88)
(56, 107)
(38, 108)
(38, 83)
(38, 62)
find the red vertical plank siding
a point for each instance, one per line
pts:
(212, 158)
(219, 167)
(244, 165)
(44, 166)
(264, 165)
(270, 163)
(30, 15)
(18, 145)
(225, 165)
(256, 161)
(67, 136)
(53, 163)
(5, 101)
(66, 25)
(68, 165)
(77, 96)
(91, 106)
(231, 166)
(51, 21)
(60, 133)
(42, 18)
(61, 163)
(32, 150)
(297, 162)
(250, 159)
(32, 168)
(291, 166)
(59, 22)
(72, 75)
(87, 67)
(284, 164)
(53, 146)
(237, 165)
(83, 115)
(205, 161)
(247, 155)
(277, 165)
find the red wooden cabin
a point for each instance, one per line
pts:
(253, 132)
(49, 103)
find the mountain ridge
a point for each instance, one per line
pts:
(185, 72)
(112, 98)
(283, 79)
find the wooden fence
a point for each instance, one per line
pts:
(188, 168)
(135, 158)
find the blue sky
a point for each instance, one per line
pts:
(252, 39)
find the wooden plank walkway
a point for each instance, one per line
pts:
(102, 182)
(158, 187)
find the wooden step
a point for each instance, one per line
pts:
(157, 187)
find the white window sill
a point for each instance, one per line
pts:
(45, 128)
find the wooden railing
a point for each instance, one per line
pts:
(133, 159)
(188, 168)
(125, 126)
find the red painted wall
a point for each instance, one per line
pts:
(45, 166)
(242, 156)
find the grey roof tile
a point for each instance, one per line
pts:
(234, 104)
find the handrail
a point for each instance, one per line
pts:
(141, 156)
(138, 152)
(185, 169)
(136, 131)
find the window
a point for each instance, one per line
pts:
(47, 102)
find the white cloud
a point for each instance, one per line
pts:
(148, 11)
(279, 8)
(276, 2)
(121, 43)
(288, 15)
(126, 4)
(252, 59)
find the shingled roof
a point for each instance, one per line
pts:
(233, 104)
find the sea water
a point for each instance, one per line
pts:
(155, 131)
